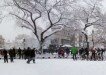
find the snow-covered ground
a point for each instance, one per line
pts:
(53, 67)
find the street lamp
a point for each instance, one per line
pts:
(93, 37)
(24, 42)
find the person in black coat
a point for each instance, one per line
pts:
(14, 53)
(27, 53)
(11, 54)
(5, 56)
(82, 53)
(87, 53)
(19, 53)
(31, 55)
(67, 51)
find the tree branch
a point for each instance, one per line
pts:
(22, 19)
(50, 35)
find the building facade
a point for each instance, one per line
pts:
(65, 36)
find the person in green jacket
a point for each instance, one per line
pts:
(74, 52)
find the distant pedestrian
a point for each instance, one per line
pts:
(5, 56)
(74, 52)
(87, 53)
(61, 53)
(67, 52)
(93, 56)
(11, 54)
(19, 53)
(31, 56)
(14, 53)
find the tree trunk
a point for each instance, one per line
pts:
(41, 47)
(93, 43)
(93, 39)
(86, 39)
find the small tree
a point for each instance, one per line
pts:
(90, 15)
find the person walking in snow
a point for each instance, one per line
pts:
(67, 50)
(11, 54)
(31, 56)
(14, 53)
(81, 51)
(5, 56)
(74, 52)
(19, 53)
(87, 53)
(93, 56)
(61, 53)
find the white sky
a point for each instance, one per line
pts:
(9, 30)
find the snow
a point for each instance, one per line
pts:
(53, 67)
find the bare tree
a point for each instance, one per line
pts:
(51, 11)
(90, 15)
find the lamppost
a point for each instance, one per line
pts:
(93, 37)
(24, 43)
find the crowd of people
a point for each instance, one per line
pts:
(18, 53)
(75, 53)
(82, 53)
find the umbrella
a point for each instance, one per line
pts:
(66, 46)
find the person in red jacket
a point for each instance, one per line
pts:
(62, 53)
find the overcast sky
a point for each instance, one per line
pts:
(9, 30)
